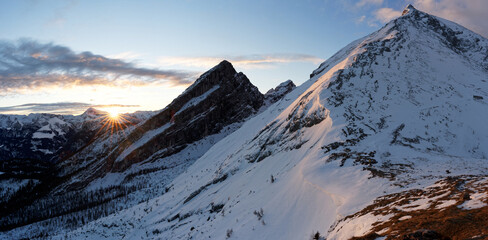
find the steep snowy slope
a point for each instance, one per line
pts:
(397, 110)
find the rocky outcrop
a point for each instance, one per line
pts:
(424, 234)
(277, 93)
(219, 97)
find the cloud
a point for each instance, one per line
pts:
(471, 14)
(58, 19)
(27, 64)
(362, 3)
(385, 15)
(360, 19)
(65, 108)
(244, 61)
(125, 55)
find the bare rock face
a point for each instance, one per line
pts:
(425, 234)
(219, 97)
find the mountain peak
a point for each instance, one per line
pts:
(223, 66)
(219, 97)
(408, 9)
(225, 63)
(92, 112)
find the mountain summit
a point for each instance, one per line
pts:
(428, 67)
(409, 8)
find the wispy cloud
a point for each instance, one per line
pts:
(58, 19)
(65, 108)
(385, 15)
(129, 55)
(244, 61)
(362, 3)
(360, 19)
(28, 64)
(471, 14)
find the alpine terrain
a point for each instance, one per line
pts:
(386, 140)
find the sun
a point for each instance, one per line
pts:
(113, 113)
(115, 121)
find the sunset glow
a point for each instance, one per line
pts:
(114, 122)
(113, 113)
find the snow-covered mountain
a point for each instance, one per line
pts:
(220, 98)
(135, 163)
(33, 136)
(385, 140)
(31, 145)
(46, 136)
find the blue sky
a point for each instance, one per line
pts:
(164, 45)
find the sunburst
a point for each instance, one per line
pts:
(113, 113)
(113, 121)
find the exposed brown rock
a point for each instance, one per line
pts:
(435, 221)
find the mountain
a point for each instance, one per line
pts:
(32, 145)
(46, 136)
(137, 162)
(34, 136)
(385, 140)
(219, 98)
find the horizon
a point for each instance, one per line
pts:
(63, 57)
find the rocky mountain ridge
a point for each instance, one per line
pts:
(218, 98)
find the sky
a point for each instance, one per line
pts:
(65, 56)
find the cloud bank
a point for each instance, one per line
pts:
(65, 108)
(28, 64)
(243, 61)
